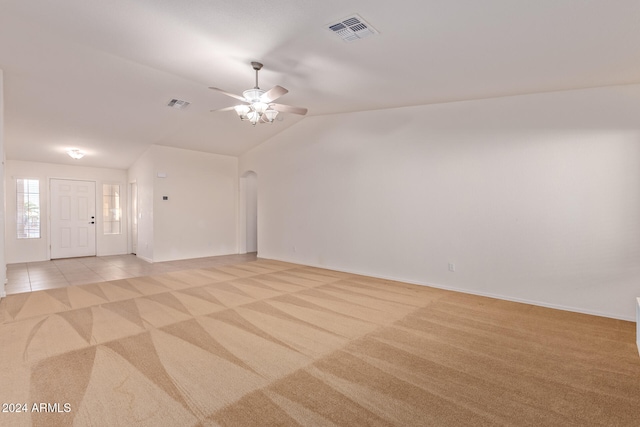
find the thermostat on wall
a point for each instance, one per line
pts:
(165, 197)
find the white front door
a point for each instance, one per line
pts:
(73, 218)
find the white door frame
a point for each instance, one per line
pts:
(133, 219)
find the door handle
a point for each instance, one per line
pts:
(92, 222)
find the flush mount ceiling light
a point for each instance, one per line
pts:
(258, 104)
(74, 153)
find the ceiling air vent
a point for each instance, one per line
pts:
(352, 28)
(176, 103)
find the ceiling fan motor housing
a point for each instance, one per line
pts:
(253, 95)
(259, 107)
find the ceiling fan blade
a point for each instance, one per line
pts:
(223, 109)
(289, 109)
(241, 98)
(273, 94)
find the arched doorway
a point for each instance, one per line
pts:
(248, 212)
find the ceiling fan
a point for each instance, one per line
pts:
(258, 104)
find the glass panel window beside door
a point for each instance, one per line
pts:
(111, 210)
(28, 208)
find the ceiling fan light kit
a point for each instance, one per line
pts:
(258, 104)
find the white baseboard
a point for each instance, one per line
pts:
(150, 261)
(472, 292)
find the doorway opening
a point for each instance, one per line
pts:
(249, 213)
(133, 192)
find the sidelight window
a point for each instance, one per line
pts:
(111, 210)
(28, 208)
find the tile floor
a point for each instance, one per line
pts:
(35, 276)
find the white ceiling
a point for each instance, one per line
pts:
(97, 75)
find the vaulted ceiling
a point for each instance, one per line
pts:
(97, 75)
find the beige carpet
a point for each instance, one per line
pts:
(268, 343)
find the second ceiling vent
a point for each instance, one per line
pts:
(178, 104)
(352, 28)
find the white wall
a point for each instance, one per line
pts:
(199, 218)
(30, 250)
(533, 198)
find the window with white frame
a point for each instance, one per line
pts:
(28, 208)
(111, 210)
